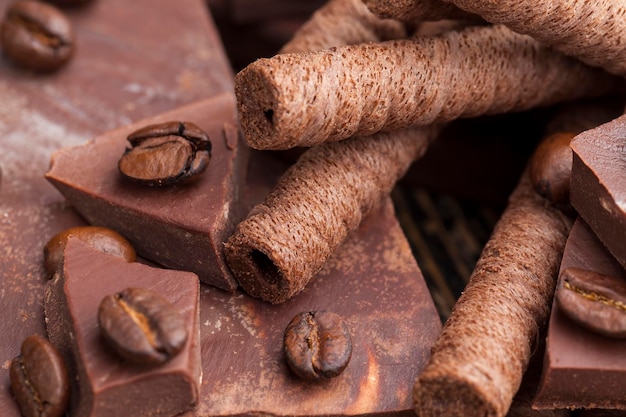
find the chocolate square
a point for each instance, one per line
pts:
(106, 385)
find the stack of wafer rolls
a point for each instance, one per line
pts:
(285, 240)
(304, 99)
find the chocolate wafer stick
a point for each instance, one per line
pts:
(308, 98)
(478, 361)
(413, 11)
(321, 198)
(342, 22)
(593, 31)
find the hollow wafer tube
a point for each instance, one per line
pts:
(287, 239)
(593, 31)
(342, 22)
(477, 363)
(303, 99)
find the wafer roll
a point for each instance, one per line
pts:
(477, 363)
(322, 197)
(593, 31)
(342, 22)
(308, 98)
(412, 11)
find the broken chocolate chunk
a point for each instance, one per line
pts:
(178, 227)
(106, 384)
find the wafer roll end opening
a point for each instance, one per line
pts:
(258, 106)
(256, 272)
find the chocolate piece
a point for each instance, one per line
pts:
(107, 384)
(583, 369)
(119, 73)
(181, 227)
(598, 184)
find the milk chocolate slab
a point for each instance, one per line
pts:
(181, 227)
(373, 282)
(598, 183)
(127, 67)
(104, 383)
(583, 369)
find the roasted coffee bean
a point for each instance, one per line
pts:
(101, 238)
(37, 36)
(550, 168)
(39, 379)
(141, 326)
(317, 345)
(594, 300)
(166, 154)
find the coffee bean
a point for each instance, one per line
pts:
(39, 379)
(166, 154)
(101, 238)
(317, 345)
(593, 300)
(550, 168)
(141, 326)
(37, 36)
